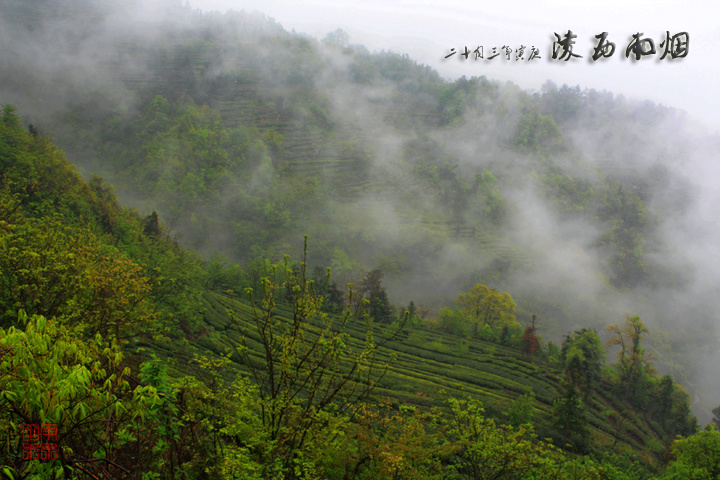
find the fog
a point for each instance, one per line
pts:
(91, 61)
(427, 30)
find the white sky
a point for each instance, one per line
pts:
(426, 30)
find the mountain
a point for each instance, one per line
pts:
(586, 207)
(127, 343)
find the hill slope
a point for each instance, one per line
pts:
(163, 288)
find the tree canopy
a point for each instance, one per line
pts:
(487, 306)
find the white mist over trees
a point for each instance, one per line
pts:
(583, 205)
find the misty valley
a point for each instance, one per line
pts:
(232, 251)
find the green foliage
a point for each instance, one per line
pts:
(386, 444)
(716, 417)
(256, 166)
(486, 451)
(222, 428)
(563, 103)
(568, 193)
(414, 315)
(42, 180)
(58, 271)
(671, 408)
(628, 222)
(634, 370)
(456, 97)
(487, 306)
(637, 381)
(537, 133)
(338, 37)
(553, 356)
(237, 167)
(222, 275)
(584, 347)
(48, 375)
(569, 411)
(521, 410)
(312, 373)
(151, 225)
(162, 412)
(697, 457)
(452, 321)
(485, 184)
(370, 290)
(90, 257)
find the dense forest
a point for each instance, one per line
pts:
(332, 263)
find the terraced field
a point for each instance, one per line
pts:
(426, 366)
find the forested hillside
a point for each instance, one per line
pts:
(124, 342)
(496, 243)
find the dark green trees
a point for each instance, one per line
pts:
(569, 412)
(637, 381)
(372, 291)
(585, 347)
(697, 457)
(672, 408)
(629, 225)
(583, 356)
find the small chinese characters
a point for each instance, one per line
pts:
(506, 52)
(565, 48)
(39, 442)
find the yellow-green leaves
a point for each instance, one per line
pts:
(313, 372)
(487, 306)
(55, 270)
(697, 457)
(54, 372)
(50, 376)
(489, 451)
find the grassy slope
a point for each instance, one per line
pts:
(427, 361)
(423, 362)
(426, 366)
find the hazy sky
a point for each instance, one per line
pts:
(427, 30)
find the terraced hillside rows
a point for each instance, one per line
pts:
(295, 127)
(238, 138)
(425, 367)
